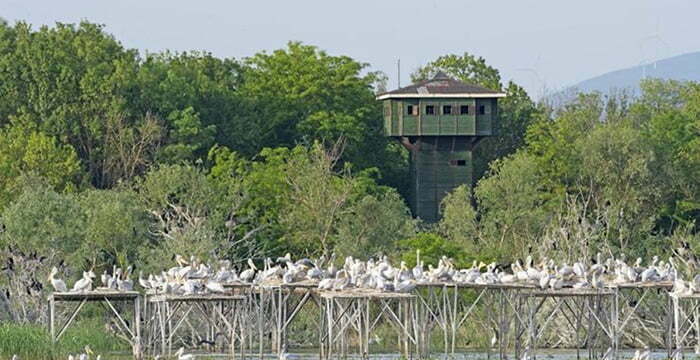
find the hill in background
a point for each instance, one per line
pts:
(682, 67)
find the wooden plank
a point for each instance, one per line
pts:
(95, 295)
(194, 298)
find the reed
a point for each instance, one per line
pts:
(34, 341)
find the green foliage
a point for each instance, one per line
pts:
(25, 152)
(302, 87)
(514, 205)
(309, 203)
(300, 94)
(188, 136)
(182, 204)
(41, 219)
(64, 81)
(87, 229)
(432, 247)
(467, 67)
(324, 209)
(617, 175)
(116, 225)
(672, 129)
(376, 225)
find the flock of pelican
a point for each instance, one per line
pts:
(194, 277)
(118, 281)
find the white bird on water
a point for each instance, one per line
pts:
(182, 356)
(58, 284)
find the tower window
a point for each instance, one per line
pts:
(458, 162)
(409, 110)
(464, 110)
(482, 109)
(446, 109)
(430, 110)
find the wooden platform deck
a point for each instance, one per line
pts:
(304, 284)
(364, 293)
(95, 295)
(194, 298)
(668, 285)
(570, 292)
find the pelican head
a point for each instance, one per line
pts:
(252, 266)
(53, 273)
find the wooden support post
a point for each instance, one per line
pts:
(52, 318)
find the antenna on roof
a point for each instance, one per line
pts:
(398, 65)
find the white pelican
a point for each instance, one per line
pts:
(181, 260)
(418, 269)
(182, 356)
(125, 284)
(342, 281)
(112, 280)
(145, 284)
(215, 287)
(104, 278)
(58, 284)
(85, 283)
(247, 275)
(326, 284)
(403, 285)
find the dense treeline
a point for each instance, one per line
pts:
(110, 157)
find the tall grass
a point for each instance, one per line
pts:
(33, 342)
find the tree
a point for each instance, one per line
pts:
(514, 206)
(667, 114)
(65, 81)
(318, 201)
(615, 169)
(130, 150)
(196, 94)
(459, 219)
(192, 215)
(376, 225)
(301, 94)
(42, 220)
(466, 67)
(24, 152)
(549, 140)
(187, 138)
(116, 225)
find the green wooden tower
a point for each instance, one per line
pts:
(439, 121)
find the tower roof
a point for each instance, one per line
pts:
(441, 85)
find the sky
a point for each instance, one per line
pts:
(543, 45)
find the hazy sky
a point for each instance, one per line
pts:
(545, 44)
